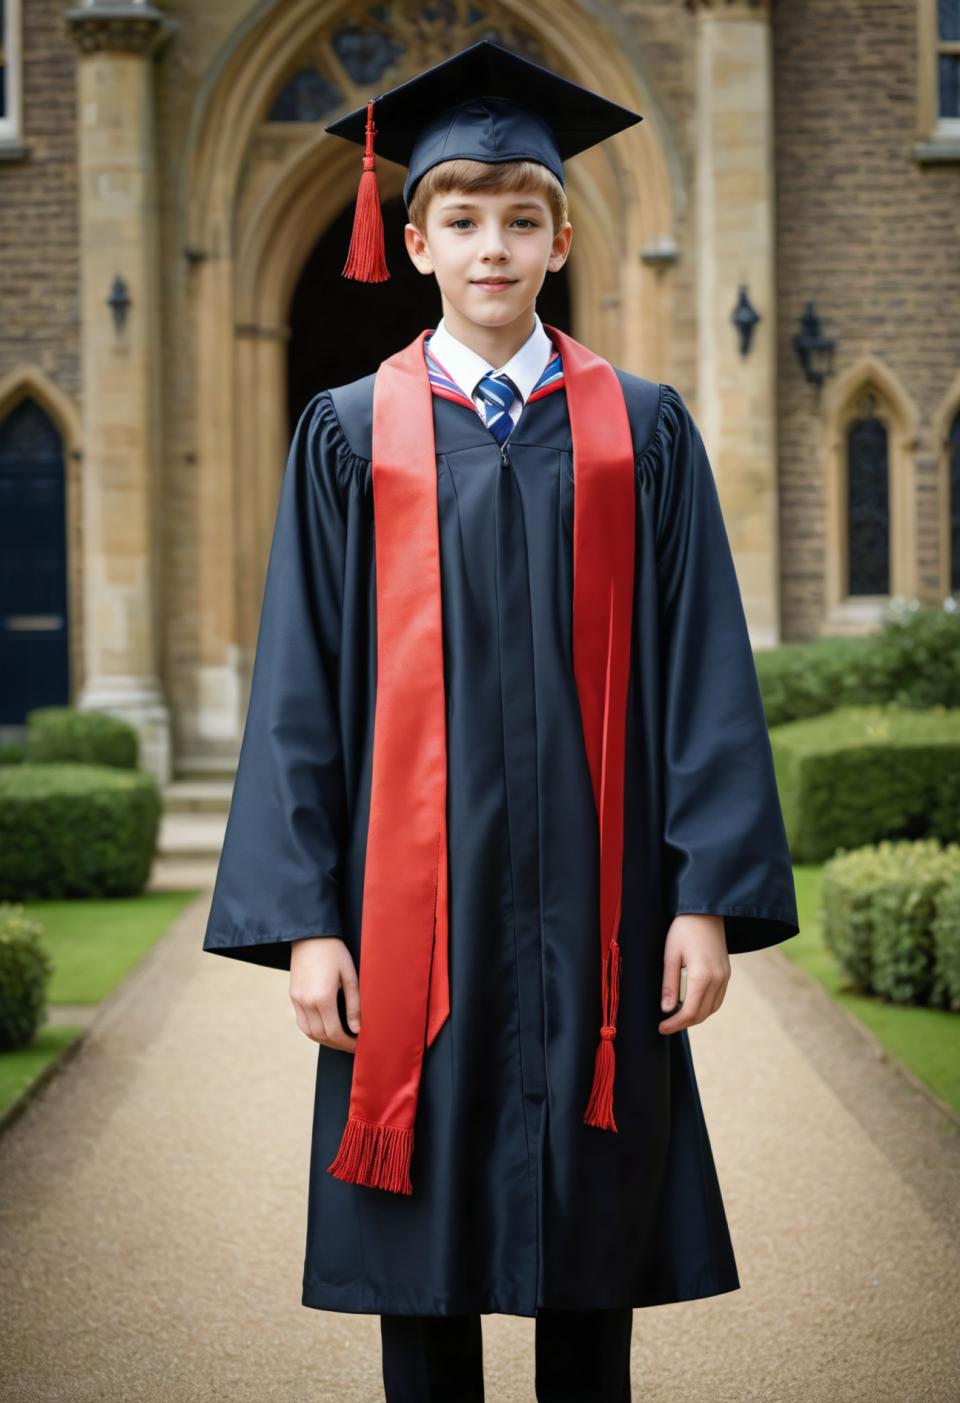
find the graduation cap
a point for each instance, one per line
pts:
(482, 104)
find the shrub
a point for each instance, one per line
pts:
(25, 968)
(913, 660)
(76, 830)
(57, 734)
(879, 905)
(857, 775)
(946, 946)
(12, 752)
(847, 884)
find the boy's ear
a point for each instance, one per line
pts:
(560, 250)
(416, 243)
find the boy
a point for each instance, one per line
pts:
(520, 713)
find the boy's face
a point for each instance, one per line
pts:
(488, 235)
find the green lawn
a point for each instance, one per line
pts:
(927, 1040)
(94, 943)
(20, 1069)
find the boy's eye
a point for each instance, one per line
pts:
(522, 219)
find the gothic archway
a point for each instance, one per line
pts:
(265, 185)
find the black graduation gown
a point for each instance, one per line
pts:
(516, 1202)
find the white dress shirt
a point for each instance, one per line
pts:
(467, 368)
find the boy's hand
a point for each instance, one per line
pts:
(318, 966)
(700, 943)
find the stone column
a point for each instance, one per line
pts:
(735, 247)
(120, 357)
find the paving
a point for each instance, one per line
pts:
(153, 1203)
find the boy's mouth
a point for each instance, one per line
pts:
(494, 282)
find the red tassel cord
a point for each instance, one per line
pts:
(366, 259)
(376, 1155)
(599, 1110)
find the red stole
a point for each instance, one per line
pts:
(404, 990)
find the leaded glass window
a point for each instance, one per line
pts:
(868, 504)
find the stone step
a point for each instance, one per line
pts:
(191, 835)
(205, 766)
(198, 796)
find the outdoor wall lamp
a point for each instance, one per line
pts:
(814, 350)
(744, 317)
(118, 302)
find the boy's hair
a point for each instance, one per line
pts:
(471, 177)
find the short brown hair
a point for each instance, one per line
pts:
(471, 177)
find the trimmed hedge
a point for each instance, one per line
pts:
(25, 969)
(946, 946)
(12, 752)
(860, 774)
(890, 914)
(76, 830)
(913, 660)
(60, 734)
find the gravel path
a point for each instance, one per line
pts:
(153, 1200)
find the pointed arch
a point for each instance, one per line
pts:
(945, 437)
(25, 382)
(868, 391)
(255, 198)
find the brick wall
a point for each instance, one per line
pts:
(40, 257)
(872, 237)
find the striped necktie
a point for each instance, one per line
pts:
(497, 393)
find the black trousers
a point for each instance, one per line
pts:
(581, 1356)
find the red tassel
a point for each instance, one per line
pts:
(374, 1154)
(366, 260)
(599, 1110)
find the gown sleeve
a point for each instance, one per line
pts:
(726, 851)
(279, 872)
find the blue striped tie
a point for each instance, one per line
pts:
(497, 392)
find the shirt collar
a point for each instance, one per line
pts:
(466, 367)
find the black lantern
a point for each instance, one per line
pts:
(814, 350)
(744, 317)
(118, 302)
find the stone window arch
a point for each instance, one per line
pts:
(870, 497)
(946, 444)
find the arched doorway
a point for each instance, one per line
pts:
(339, 328)
(267, 204)
(34, 634)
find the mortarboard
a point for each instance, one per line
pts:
(483, 104)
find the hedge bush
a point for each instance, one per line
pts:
(946, 946)
(25, 969)
(58, 734)
(889, 914)
(12, 752)
(913, 660)
(76, 830)
(861, 774)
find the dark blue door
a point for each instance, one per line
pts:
(33, 565)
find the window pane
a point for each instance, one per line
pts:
(3, 59)
(949, 16)
(950, 85)
(955, 506)
(868, 508)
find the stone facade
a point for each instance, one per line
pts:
(785, 150)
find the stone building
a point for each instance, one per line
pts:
(779, 239)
